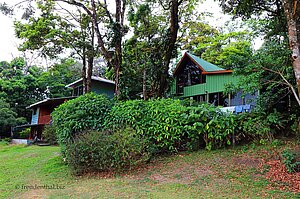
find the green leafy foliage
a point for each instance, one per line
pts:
(24, 134)
(102, 151)
(49, 134)
(22, 84)
(260, 126)
(54, 80)
(208, 123)
(289, 161)
(91, 128)
(8, 118)
(87, 112)
(158, 120)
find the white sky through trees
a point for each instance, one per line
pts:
(9, 43)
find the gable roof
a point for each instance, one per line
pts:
(206, 67)
(100, 79)
(50, 101)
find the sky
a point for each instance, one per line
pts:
(9, 43)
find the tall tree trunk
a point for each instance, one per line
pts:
(144, 84)
(116, 20)
(91, 55)
(118, 46)
(290, 10)
(89, 73)
(172, 37)
(83, 73)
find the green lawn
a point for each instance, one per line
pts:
(231, 173)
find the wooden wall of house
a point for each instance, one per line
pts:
(214, 84)
(103, 88)
(99, 88)
(44, 116)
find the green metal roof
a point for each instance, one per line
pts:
(208, 67)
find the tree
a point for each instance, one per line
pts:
(20, 89)
(101, 16)
(221, 47)
(292, 14)
(54, 30)
(154, 43)
(280, 12)
(106, 26)
(7, 118)
(53, 81)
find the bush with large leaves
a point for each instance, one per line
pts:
(159, 121)
(87, 112)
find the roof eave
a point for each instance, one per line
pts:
(73, 83)
(177, 66)
(216, 72)
(49, 99)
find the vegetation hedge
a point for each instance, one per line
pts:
(159, 121)
(87, 112)
(93, 130)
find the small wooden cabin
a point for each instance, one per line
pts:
(203, 81)
(41, 114)
(41, 111)
(99, 85)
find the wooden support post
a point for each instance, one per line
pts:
(229, 99)
(207, 97)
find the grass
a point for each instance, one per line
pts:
(230, 173)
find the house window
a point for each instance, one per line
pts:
(34, 111)
(203, 79)
(75, 91)
(190, 75)
(78, 91)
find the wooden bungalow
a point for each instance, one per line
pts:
(41, 114)
(99, 85)
(41, 111)
(200, 80)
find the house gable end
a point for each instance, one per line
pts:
(204, 66)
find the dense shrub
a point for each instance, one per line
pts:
(172, 124)
(97, 134)
(259, 126)
(49, 134)
(102, 151)
(208, 123)
(159, 121)
(87, 112)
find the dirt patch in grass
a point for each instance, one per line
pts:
(247, 161)
(182, 174)
(177, 171)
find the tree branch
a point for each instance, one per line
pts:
(287, 83)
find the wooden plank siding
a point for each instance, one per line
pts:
(214, 83)
(44, 116)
